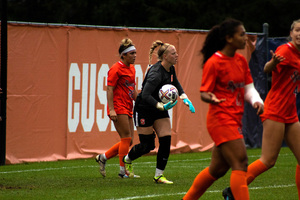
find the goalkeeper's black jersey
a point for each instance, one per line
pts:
(155, 78)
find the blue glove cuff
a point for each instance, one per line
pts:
(170, 105)
(186, 101)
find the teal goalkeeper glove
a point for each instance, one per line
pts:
(187, 102)
(167, 106)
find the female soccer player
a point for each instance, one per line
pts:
(120, 95)
(226, 83)
(280, 119)
(151, 114)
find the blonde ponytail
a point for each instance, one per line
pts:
(161, 50)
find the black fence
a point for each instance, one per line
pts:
(252, 125)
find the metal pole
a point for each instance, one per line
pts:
(266, 35)
(3, 86)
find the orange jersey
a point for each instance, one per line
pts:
(122, 77)
(280, 103)
(226, 77)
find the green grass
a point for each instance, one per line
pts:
(80, 179)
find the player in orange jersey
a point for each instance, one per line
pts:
(120, 95)
(280, 119)
(226, 84)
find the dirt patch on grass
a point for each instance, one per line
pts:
(3, 187)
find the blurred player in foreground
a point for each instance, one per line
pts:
(226, 84)
(280, 119)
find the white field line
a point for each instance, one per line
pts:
(93, 166)
(147, 163)
(212, 191)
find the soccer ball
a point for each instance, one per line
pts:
(168, 93)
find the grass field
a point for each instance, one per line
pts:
(80, 179)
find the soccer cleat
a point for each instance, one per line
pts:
(126, 176)
(135, 176)
(129, 169)
(227, 194)
(162, 179)
(101, 164)
(123, 176)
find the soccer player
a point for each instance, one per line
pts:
(280, 119)
(150, 114)
(226, 84)
(120, 95)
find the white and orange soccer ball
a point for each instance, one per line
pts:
(168, 93)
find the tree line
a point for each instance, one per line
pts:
(179, 14)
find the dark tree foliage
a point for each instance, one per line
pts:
(183, 14)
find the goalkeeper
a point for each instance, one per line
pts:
(151, 116)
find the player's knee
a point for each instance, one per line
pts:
(242, 163)
(218, 171)
(147, 142)
(269, 161)
(147, 147)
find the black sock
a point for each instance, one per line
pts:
(163, 152)
(147, 143)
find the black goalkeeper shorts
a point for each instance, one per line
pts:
(145, 116)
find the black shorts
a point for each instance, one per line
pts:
(145, 116)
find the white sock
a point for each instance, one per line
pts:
(158, 172)
(127, 159)
(122, 170)
(103, 157)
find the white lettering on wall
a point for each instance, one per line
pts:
(88, 109)
(102, 118)
(89, 79)
(73, 108)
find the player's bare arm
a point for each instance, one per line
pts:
(276, 58)
(210, 97)
(110, 97)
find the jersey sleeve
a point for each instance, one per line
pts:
(152, 82)
(281, 50)
(113, 76)
(209, 76)
(177, 83)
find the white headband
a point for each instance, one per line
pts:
(131, 48)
